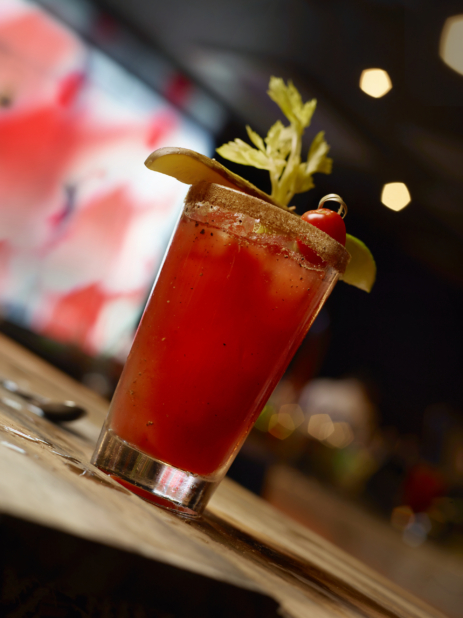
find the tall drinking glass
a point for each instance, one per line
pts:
(232, 302)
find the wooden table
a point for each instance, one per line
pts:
(241, 551)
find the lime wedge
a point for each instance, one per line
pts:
(361, 270)
(190, 167)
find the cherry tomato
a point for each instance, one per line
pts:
(329, 222)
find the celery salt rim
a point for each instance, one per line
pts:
(273, 217)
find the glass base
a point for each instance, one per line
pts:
(153, 480)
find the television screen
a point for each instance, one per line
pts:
(83, 223)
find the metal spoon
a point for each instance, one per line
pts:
(55, 411)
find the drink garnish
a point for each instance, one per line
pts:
(191, 167)
(361, 270)
(279, 153)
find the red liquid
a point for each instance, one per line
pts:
(222, 324)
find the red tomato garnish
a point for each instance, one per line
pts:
(329, 222)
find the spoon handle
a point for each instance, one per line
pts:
(55, 411)
(12, 387)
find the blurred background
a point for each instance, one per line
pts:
(363, 438)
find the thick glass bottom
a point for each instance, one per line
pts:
(160, 483)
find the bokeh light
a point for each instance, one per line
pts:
(451, 43)
(375, 82)
(395, 195)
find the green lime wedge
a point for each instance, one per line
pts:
(361, 270)
(192, 167)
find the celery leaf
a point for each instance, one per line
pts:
(317, 161)
(240, 152)
(255, 139)
(280, 151)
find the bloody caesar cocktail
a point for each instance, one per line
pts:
(242, 282)
(232, 302)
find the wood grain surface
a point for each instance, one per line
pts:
(46, 478)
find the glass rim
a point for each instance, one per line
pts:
(273, 217)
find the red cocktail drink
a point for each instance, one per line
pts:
(233, 301)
